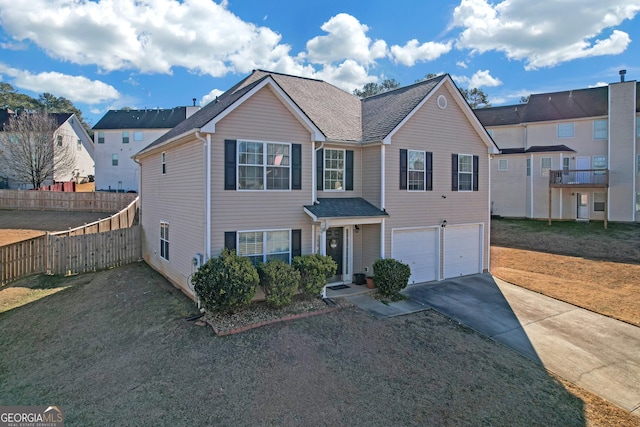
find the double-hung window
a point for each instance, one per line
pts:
(566, 130)
(164, 240)
(59, 138)
(264, 246)
(334, 169)
(528, 167)
(545, 166)
(600, 130)
(125, 137)
(417, 169)
(164, 162)
(100, 137)
(138, 136)
(599, 162)
(114, 160)
(465, 172)
(503, 164)
(264, 166)
(598, 202)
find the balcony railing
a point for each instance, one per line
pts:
(579, 178)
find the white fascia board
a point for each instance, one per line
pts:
(316, 134)
(163, 145)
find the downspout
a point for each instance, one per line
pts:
(382, 199)
(487, 248)
(531, 187)
(314, 178)
(207, 189)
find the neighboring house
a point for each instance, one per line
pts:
(281, 165)
(568, 155)
(70, 132)
(122, 133)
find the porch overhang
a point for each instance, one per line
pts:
(345, 211)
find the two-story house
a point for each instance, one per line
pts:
(69, 133)
(120, 134)
(571, 155)
(281, 165)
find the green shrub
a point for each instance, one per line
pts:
(226, 283)
(391, 276)
(279, 282)
(314, 271)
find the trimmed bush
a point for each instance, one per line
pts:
(279, 282)
(314, 271)
(226, 283)
(391, 276)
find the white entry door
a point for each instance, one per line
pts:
(583, 205)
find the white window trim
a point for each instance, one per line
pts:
(460, 155)
(550, 165)
(573, 133)
(125, 133)
(424, 171)
(604, 200)
(165, 256)
(528, 167)
(163, 157)
(264, 165)
(593, 162)
(324, 170)
(606, 130)
(100, 138)
(506, 165)
(115, 157)
(264, 242)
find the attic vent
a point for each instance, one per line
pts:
(442, 102)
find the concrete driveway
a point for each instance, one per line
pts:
(595, 352)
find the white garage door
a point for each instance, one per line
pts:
(462, 250)
(419, 249)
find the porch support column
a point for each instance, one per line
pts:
(606, 206)
(550, 190)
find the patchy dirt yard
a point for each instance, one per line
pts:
(16, 225)
(114, 348)
(582, 264)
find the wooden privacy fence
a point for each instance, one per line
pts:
(66, 255)
(103, 244)
(60, 201)
(122, 219)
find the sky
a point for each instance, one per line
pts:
(110, 54)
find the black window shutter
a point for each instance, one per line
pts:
(403, 169)
(454, 172)
(296, 243)
(230, 240)
(320, 169)
(476, 161)
(296, 167)
(429, 170)
(229, 164)
(348, 181)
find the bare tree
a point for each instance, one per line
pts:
(31, 151)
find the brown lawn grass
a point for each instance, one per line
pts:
(9, 236)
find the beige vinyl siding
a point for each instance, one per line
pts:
(509, 136)
(370, 248)
(441, 132)
(178, 199)
(357, 173)
(622, 161)
(371, 179)
(509, 188)
(261, 118)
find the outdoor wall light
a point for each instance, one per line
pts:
(443, 224)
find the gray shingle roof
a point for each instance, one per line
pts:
(537, 149)
(382, 113)
(566, 105)
(60, 118)
(352, 207)
(142, 119)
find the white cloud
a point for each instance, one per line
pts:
(544, 33)
(14, 46)
(346, 39)
(481, 78)
(210, 97)
(599, 84)
(413, 52)
(74, 88)
(462, 64)
(349, 75)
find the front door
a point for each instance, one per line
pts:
(334, 249)
(583, 163)
(583, 205)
